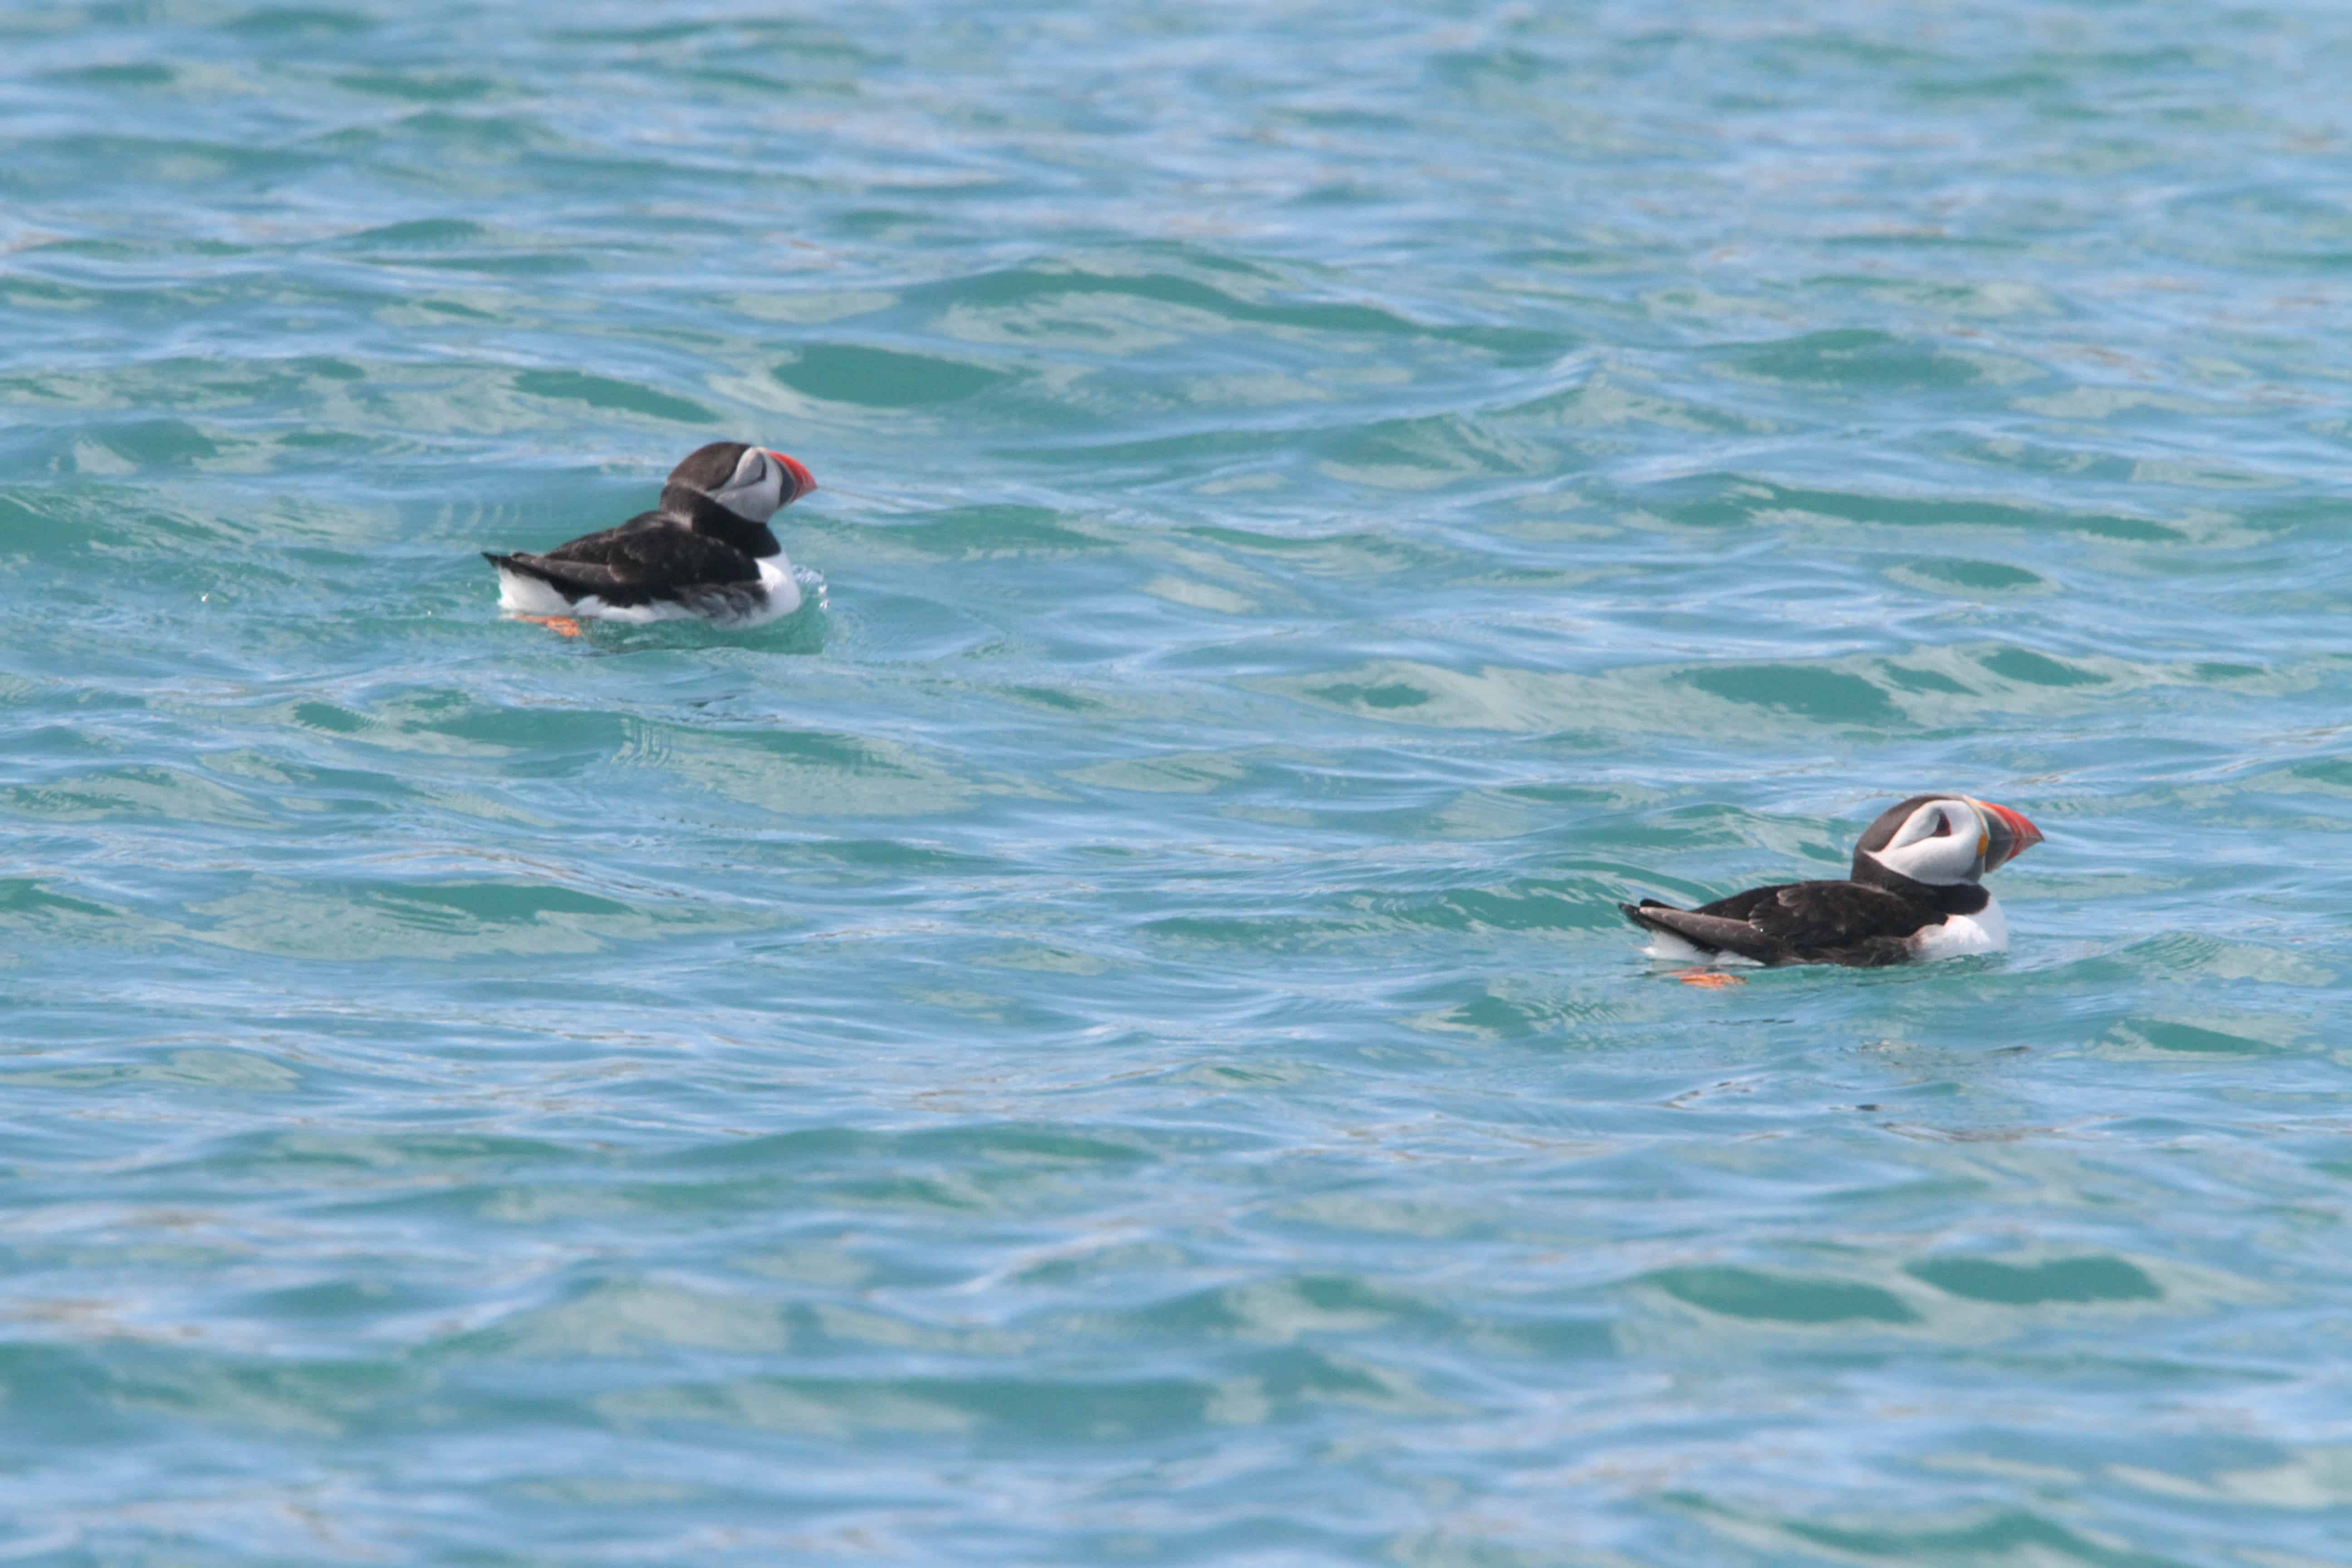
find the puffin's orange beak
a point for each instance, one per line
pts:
(802, 480)
(2007, 834)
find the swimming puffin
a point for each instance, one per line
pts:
(706, 553)
(1914, 896)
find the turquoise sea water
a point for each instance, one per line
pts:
(1108, 1039)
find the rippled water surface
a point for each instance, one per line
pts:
(1107, 1038)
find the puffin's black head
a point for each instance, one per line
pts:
(749, 484)
(1943, 839)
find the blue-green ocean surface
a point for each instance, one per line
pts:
(1106, 1037)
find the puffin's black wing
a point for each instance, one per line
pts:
(602, 546)
(1797, 922)
(648, 558)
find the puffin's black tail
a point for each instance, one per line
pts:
(1649, 914)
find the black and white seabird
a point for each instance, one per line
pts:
(1914, 896)
(705, 554)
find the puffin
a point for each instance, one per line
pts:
(1916, 895)
(704, 553)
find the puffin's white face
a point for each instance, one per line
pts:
(1941, 843)
(757, 488)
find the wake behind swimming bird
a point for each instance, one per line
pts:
(705, 554)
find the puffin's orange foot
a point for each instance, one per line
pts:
(1713, 979)
(562, 626)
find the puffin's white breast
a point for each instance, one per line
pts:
(784, 589)
(1987, 930)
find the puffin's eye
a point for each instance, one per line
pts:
(1943, 827)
